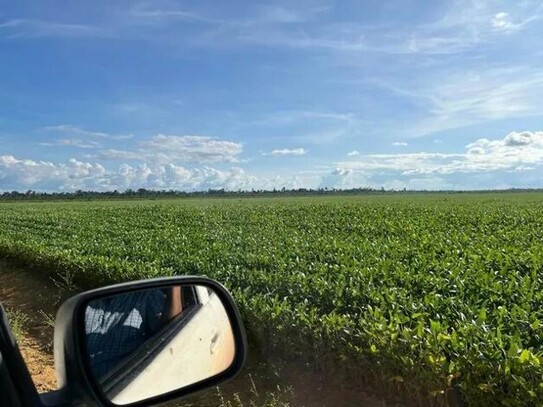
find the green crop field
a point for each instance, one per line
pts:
(426, 292)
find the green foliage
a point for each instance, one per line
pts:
(17, 322)
(429, 293)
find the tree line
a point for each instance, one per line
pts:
(156, 194)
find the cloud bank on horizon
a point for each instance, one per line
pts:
(210, 95)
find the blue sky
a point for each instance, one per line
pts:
(194, 95)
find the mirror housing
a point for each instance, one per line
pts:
(76, 380)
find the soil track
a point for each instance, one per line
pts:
(37, 297)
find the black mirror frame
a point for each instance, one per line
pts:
(16, 385)
(73, 372)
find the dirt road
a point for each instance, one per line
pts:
(34, 298)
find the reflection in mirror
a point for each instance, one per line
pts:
(145, 343)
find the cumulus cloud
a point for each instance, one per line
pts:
(523, 138)
(517, 150)
(353, 153)
(159, 149)
(399, 144)
(172, 176)
(75, 174)
(43, 175)
(488, 161)
(514, 150)
(287, 151)
(342, 178)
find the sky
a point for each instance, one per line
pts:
(197, 95)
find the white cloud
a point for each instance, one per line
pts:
(289, 117)
(398, 162)
(342, 178)
(20, 174)
(517, 150)
(470, 97)
(160, 149)
(323, 136)
(165, 149)
(459, 25)
(353, 153)
(81, 138)
(160, 16)
(465, 24)
(43, 175)
(34, 28)
(73, 143)
(501, 21)
(522, 139)
(194, 148)
(172, 176)
(141, 22)
(79, 132)
(486, 160)
(455, 27)
(16, 173)
(287, 151)
(259, 15)
(114, 154)
(399, 144)
(278, 14)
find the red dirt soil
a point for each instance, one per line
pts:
(34, 296)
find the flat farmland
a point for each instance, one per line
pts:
(426, 293)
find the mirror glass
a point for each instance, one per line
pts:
(145, 343)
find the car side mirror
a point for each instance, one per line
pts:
(147, 342)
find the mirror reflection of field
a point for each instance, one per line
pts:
(418, 290)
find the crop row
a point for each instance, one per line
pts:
(427, 293)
